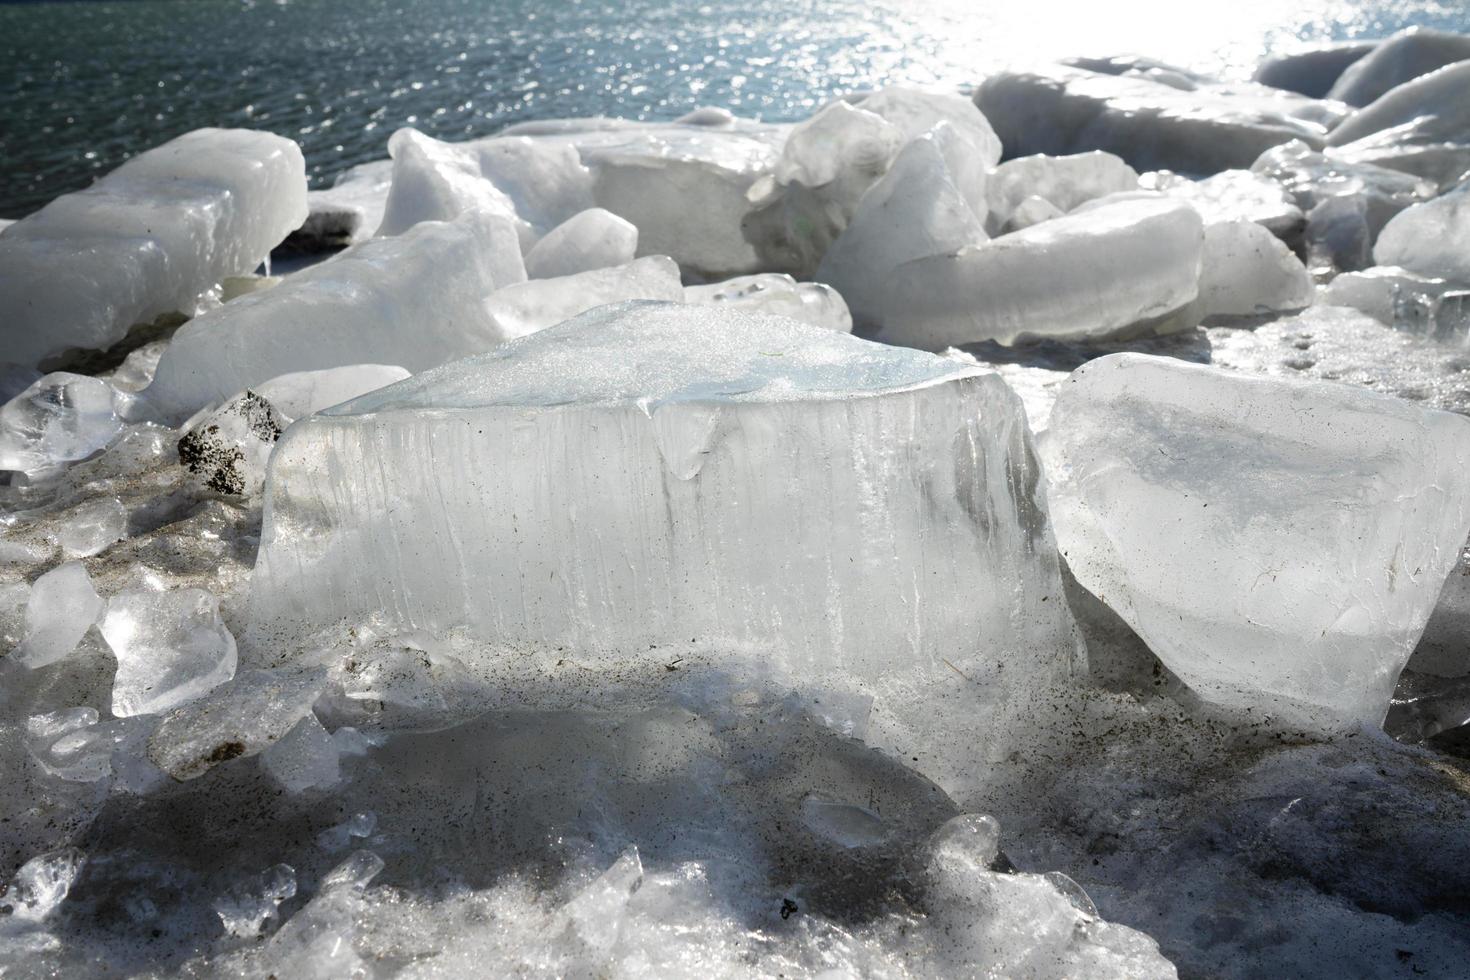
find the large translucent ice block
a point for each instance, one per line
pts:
(652, 482)
(414, 300)
(152, 237)
(1279, 544)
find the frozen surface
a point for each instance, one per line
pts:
(1198, 130)
(591, 239)
(1331, 527)
(689, 563)
(1432, 239)
(1399, 59)
(1124, 268)
(416, 300)
(777, 294)
(153, 237)
(171, 647)
(536, 304)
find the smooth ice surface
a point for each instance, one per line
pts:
(300, 393)
(62, 606)
(1311, 70)
(1432, 239)
(1200, 130)
(719, 552)
(1117, 269)
(1063, 181)
(60, 418)
(1233, 195)
(916, 210)
(1246, 270)
(591, 239)
(1385, 293)
(93, 526)
(1419, 127)
(775, 293)
(171, 647)
(152, 237)
(416, 300)
(346, 213)
(1398, 59)
(536, 304)
(1278, 545)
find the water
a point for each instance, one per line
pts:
(86, 84)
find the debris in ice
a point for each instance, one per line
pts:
(152, 237)
(591, 239)
(1247, 271)
(302, 393)
(171, 647)
(1123, 269)
(1396, 60)
(915, 210)
(699, 561)
(250, 903)
(1333, 518)
(1060, 110)
(60, 418)
(1062, 181)
(415, 300)
(226, 451)
(536, 304)
(237, 721)
(1431, 239)
(62, 606)
(777, 294)
(1311, 70)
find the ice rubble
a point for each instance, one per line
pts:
(354, 308)
(685, 565)
(1128, 268)
(1397, 60)
(1311, 70)
(153, 237)
(1326, 530)
(1418, 127)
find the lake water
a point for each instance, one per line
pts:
(86, 84)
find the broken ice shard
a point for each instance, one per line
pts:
(1280, 545)
(740, 489)
(1124, 268)
(63, 605)
(171, 647)
(415, 300)
(60, 418)
(152, 237)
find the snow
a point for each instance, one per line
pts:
(1322, 479)
(153, 237)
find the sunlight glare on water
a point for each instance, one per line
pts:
(91, 83)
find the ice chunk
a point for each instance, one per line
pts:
(67, 745)
(916, 112)
(915, 210)
(346, 213)
(171, 647)
(226, 450)
(60, 418)
(1313, 70)
(1232, 195)
(1246, 271)
(260, 707)
(591, 239)
(539, 303)
(416, 300)
(318, 940)
(1332, 517)
(1392, 62)
(307, 757)
(300, 393)
(826, 167)
(250, 904)
(437, 181)
(1125, 268)
(1419, 127)
(92, 526)
(1031, 211)
(1311, 177)
(716, 549)
(1388, 294)
(42, 884)
(1063, 181)
(1060, 110)
(63, 605)
(774, 293)
(152, 237)
(1432, 239)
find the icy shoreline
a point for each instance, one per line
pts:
(549, 581)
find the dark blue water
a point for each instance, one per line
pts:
(86, 84)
